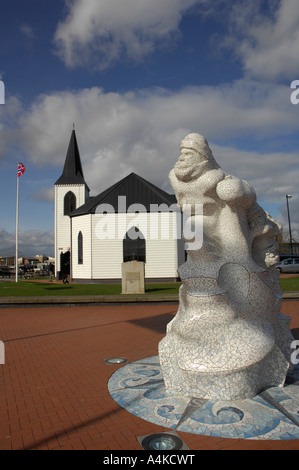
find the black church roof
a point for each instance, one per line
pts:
(136, 190)
(72, 171)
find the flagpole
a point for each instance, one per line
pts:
(17, 230)
(21, 170)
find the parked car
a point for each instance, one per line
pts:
(289, 265)
(7, 271)
(283, 257)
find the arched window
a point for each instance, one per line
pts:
(69, 203)
(134, 246)
(80, 248)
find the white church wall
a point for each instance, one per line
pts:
(62, 222)
(161, 246)
(159, 230)
(81, 224)
(106, 248)
(161, 259)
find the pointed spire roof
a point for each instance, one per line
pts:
(72, 171)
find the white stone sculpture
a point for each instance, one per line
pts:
(228, 339)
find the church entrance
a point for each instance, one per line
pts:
(64, 266)
(134, 246)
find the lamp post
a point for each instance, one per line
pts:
(288, 196)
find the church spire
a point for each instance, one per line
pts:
(72, 171)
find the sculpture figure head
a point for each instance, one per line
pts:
(196, 158)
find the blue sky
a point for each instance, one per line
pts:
(136, 76)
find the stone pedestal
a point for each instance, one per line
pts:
(133, 277)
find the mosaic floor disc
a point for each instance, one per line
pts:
(139, 388)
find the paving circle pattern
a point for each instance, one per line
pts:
(274, 414)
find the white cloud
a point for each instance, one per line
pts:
(43, 195)
(294, 219)
(101, 32)
(119, 123)
(141, 131)
(262, 34)
(9, 115)
(266, 40)
(272, 174)
(27, 30)
(31, 242)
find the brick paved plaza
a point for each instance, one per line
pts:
(53, 385)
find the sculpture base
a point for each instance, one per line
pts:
(224, 346)
(139, 388)
(229, 385)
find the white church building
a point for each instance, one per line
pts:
(131, 220)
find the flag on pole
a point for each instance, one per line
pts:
(21, 169)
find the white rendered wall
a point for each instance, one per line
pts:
(159, 229)
(81, 224)
(62, 222)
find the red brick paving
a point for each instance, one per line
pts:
(53, 386)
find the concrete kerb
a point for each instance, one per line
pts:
(102, 299)
(87, 299)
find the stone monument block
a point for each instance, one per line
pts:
(133, 277)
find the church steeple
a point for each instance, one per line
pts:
(72, 171)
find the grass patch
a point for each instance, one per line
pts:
(31, 289)
(36, 289)
(290, 283)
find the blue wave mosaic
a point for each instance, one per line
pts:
(274, 414)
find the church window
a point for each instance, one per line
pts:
(134, 245)
(69, 203)
(80, 248)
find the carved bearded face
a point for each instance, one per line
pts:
(195, 159)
